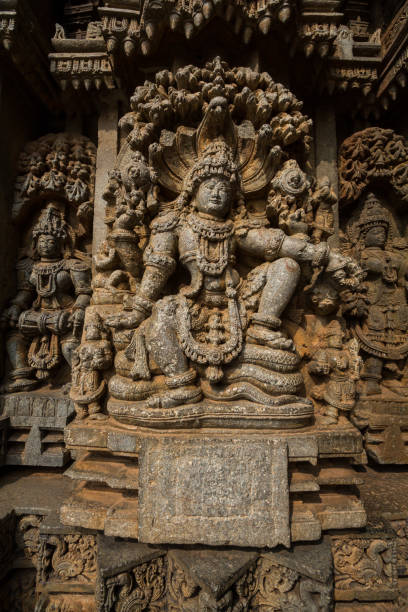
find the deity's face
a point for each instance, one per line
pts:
(336, 341)
(376, 237)
(48, 246)
(213, 197)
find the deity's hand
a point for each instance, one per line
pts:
(10, 316)
(77, 320)
(354, 304)
(77, 317)
(121, 321)
(296, 223)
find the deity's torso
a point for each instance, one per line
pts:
(383, 329)
(207, 247)
(386, 293)
(56, 283)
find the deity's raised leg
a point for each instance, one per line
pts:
(282, 277)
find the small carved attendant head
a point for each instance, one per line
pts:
(94, 327)
(334, 335)
(50, 233)
(324, 298)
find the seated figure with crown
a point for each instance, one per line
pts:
(44, 320)
(218, 339)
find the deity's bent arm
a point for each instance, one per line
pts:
(269, 244)
(159, 260)
(160, 263)
(81, 279)
(24, 296)
(373, 262)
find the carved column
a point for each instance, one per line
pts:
(105, 160)
(326, 153)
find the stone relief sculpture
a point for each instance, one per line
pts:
(241, 345)
(209, 226)
(48, 327)
(44, 320)
(373, 174)
(338, 365)
(90, 359)
(382, 330)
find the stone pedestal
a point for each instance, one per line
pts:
(35, 432)
(208, 579)
(184, 486)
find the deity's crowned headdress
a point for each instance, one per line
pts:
(372, 214)
(52, 223)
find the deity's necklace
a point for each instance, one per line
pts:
(213, 248)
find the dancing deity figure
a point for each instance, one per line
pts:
(382, 332)
(224, 326)
(45, 318)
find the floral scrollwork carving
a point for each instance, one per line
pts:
(68, 558)
(143, 588)
(28, 537)
(373, 154)
(363, 565)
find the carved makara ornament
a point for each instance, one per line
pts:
(220, 336)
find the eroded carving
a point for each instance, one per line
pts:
(191, 583)
(274, 586)
(28, 537)
(373, 174)
(363, 566)
(48, 328)
(143, 587)
(337, 365)
(44, 320)
(68, 558)
(217, 199)
(90, 359)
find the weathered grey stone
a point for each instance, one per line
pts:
(116, 556)
(46, 411)
(35, 432)
(214, 570)
(214, 490)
